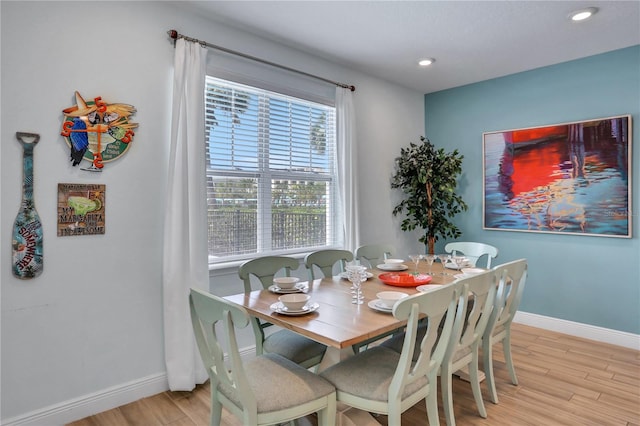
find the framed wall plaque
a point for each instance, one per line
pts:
(81, 209)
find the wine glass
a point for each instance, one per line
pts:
(357, 274)
(444, 258)
(415, 258)
(430, 258)
(459, 261)
(355, 262)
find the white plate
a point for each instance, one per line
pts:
(392, 267)
(308, 308)
(428, 287)
(345, 275)
(377, 306)
(452, 265)
(298, 288)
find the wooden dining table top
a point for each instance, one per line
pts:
(337, 322)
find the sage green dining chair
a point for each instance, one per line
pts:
(381, 380)
(512, 277)
(264, 390)
(325, 261)
(463, 350)
(473, 251)
(293, 346)
(374, 254)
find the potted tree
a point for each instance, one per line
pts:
(428, 178)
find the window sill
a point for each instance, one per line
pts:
(224, 268)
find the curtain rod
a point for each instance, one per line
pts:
(175, 35)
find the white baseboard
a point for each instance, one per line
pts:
(586, 331)
(97, 402)
(116, 396)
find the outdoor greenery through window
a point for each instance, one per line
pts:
(271, 177)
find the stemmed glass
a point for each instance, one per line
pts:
(357, 274)
(443, 259)
(430, 258)
(459, 261)
(355, 262)
(416, 260)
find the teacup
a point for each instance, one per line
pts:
(295, 301)
(286, 283)
(389, 298)
(393, 261)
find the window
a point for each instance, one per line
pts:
(271, 173)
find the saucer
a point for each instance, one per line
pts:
(298, 288)
(279, 308)
(428, 288)
(452, 265)
(392, 267)
(378, 306)
(345, 275)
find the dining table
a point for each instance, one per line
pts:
(337, 322)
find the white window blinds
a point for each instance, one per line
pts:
(271, 172)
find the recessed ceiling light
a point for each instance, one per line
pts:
(582, 14)
(426, 62)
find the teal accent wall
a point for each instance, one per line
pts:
(585, 279)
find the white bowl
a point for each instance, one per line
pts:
(286, 282)
(389, 298)
(295, 301)
(472, 271)
(393, 261)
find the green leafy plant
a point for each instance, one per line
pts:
(428, 178)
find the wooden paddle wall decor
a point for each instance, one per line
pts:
(27, 228)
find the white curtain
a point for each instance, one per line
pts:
(347, 166)
(185, 256)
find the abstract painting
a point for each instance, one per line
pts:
(568, 178)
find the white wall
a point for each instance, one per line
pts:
(88, 333)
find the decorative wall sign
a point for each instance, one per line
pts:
(80, 209)
(569, 178)
(27, 229)
(97, 132)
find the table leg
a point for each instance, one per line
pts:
(463, 374)
(333, 356)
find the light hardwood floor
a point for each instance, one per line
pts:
(564, 380)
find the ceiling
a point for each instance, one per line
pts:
(471, 41)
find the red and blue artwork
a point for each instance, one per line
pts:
(569, 178)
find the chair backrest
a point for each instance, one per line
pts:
(325, 260)
(265, 268)
(415, 309)
(374, 254)
(206, 311)
(474, 251)
(480, 293)
(512, 277)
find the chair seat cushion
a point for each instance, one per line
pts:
(368, 374)
(293, 346)
(279, 384)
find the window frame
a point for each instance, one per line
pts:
(266, 177)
